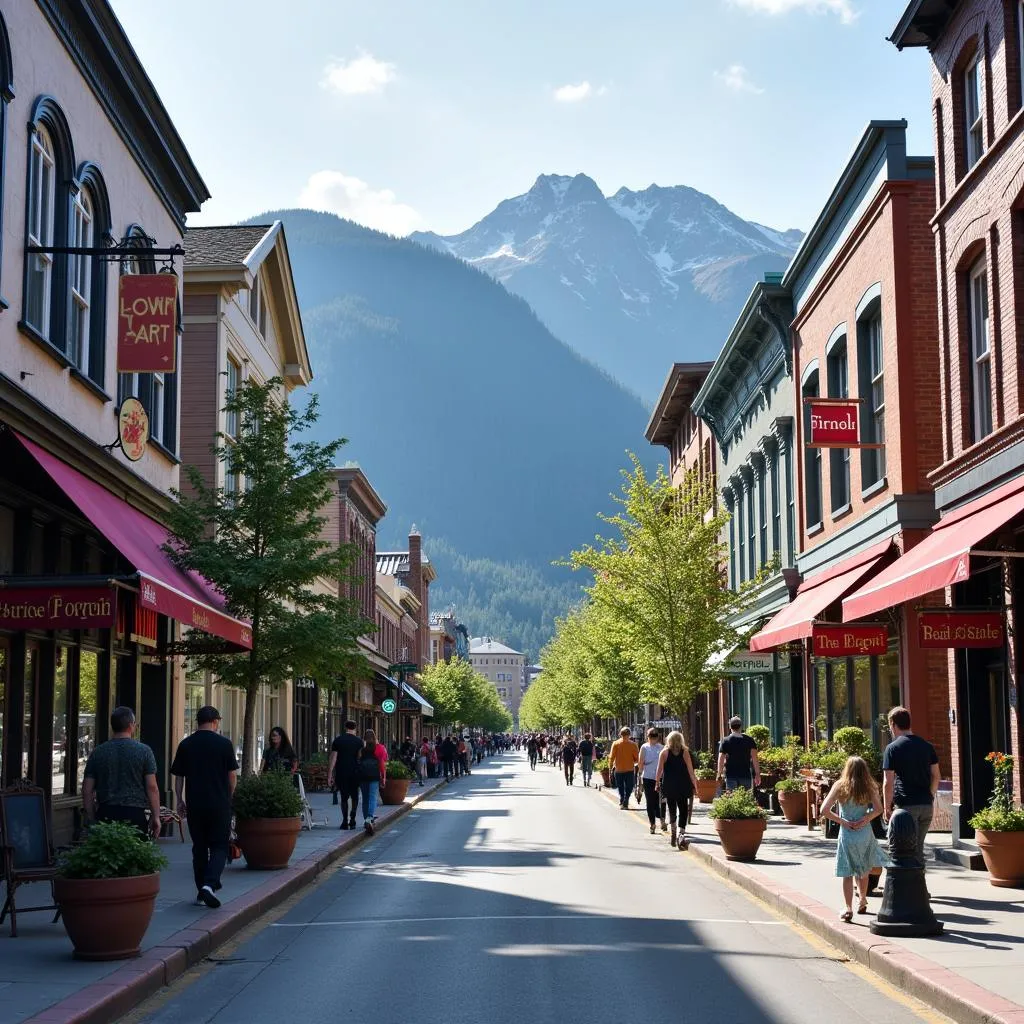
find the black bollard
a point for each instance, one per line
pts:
(905, 908)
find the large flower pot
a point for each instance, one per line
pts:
(794, 807)
(740, 837)
(268, 842)
(1004, 857)
(707, 790)
(106, 918)
(606, 778)
(395, 791)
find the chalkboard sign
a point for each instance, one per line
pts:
(23, 820)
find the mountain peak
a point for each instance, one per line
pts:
(567, 187)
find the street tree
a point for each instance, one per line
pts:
(260, 545)
(461, 696)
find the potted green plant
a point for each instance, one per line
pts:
(707, 777)
(761, 735)
(267, 823)
(793, 799)
(106, 889)
(314, 773)
(999, 828)
(396, 787)
(739, 822)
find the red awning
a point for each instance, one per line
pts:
(164, 587)
(796, 620)
(942, 558)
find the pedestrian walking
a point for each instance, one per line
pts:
(569, 752)
(737, 758)
(910, 776)
(623, 758)
(423, 761)
(206, 769)
(373, 768)
(650, 753)
(532, 747)
(343, 768)
(586, 752)
(120, 778)
(677, 783)
(856, 796)
(280, 755)
(448, 752)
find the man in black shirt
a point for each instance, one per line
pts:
(343, 768)
(206, 768)
(910, 776)
(586, 751)
(737, 758)
(569, 751)
(448, 752)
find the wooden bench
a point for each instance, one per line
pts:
(26, 846)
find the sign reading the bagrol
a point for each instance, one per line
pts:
(849, 641)
(835, 423)
(147, 323)
(961, 629)
(57, 608)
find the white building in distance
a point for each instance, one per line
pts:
(504, 667)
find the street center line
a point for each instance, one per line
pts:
(521, 917)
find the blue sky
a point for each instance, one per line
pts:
(408, 114)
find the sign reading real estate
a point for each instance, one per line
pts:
(849, 641)
(835, 423)
(147, 323)
(57, 608)
(960, 629)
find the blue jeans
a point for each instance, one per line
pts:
(624, 783)
(370, 791)
(741, 782)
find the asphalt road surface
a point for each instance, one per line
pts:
(509, 897)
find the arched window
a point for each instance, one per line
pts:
(42, 198)
(812, 456)
(87, 320)
(980, 351)
(81, 278)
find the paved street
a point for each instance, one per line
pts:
(507, 897)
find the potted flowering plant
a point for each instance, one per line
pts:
(740, 823)
(999, 827)
(707, 777)
(395, 790)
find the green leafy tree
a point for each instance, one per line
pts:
(462, 696)
(262, 548)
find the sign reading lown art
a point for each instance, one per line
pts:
(960, 629)
(834, 423)
(147, 323)
(849, 641)
(57, 608)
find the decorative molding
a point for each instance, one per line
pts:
(768, 314)
(769, 446)
(756, 461)
(782, 429)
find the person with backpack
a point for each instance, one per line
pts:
(737, 758)
(373, 769)
(586, 752)
(676, 783)
(569, 751)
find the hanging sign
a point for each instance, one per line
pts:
(133, 429)
(960, 629)
(835, 423)
(57, 608)
(849, 641)
(744, 663)
(388, 706)
(147, 323)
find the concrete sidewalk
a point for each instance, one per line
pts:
(974, 972)
(42, 984)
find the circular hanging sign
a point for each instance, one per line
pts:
(133, 429)
(388, 706)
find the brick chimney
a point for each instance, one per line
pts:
(416, 586)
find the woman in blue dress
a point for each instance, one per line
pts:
(853, 803)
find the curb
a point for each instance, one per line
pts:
(136, 980)
(942, 989)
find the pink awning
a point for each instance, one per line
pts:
(163, 587)
(796, 620)
(942, 558)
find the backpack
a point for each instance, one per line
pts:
(369, 768)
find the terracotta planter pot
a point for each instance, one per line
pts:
(1004, 857)
(395, 791)
(106, 918)
(740, 837)
(268, 842)
(707, 790)
(794, 807)
(606, 778)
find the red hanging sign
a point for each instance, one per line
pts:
(57, 607)
(960, 629)
(835, 423)
(849, 641)
(147, 323)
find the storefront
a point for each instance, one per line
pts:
(759, 688)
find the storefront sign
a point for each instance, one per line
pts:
(133, 429)
(147, 323)
(961, 629)
(408, 704)
(849, 641)
(388, 706)
(834, 423)
(57, 608)
(744, 663)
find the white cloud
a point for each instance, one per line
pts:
(736, 78)
(334, 192)
(577, 93)
(843, 9)
(356, 77)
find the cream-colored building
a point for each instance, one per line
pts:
(504, 667)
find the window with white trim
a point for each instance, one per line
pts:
(258, 305)
(974, 139)
(980, 351)
(876, 410)
(80, 268)
(812, 460)
(42, 201)
(839, 458)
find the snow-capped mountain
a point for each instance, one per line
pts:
(632, 281)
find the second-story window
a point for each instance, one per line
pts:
(751, 533)
(762, 513)
(812, 459)
(741, 563)
(42, 201)
(871, 370)
(773, 475)
(839, 458)
(974, 139)
(257, 305)
(980, 351)
(81, 279)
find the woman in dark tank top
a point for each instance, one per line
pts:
(677, 783)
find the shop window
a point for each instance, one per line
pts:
(812, 458)
(974, 129)
(64, 772)
(839, 696)
(980, 350)
(6, 546)
(5, 656)
(861, 711)
(871, 373)
(88, 724)
(839, 458)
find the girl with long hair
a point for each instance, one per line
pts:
(677, 783)
(858, 802)
(280, 755)
(373, 766)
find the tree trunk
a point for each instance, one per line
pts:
(249, 728)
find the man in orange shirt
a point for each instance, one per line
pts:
(623, 758)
